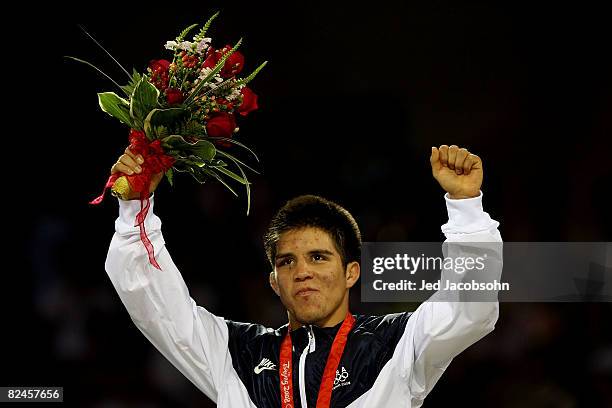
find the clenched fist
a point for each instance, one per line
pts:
(458, 171)
(129, 164)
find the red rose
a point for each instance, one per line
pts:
(174, 96)
(249, 101)
(159, 76)
(212, 57)
(233, 64)
(221, 124)
(159, 65)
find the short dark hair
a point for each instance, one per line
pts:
(314, 211)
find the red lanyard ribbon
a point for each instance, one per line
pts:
(329, 374)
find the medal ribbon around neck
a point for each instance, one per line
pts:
(329, 374)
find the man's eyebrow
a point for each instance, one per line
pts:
(311, 252)
(320, 251)
(285, 255)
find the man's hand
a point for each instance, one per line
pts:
(457, 170)
(130, 163)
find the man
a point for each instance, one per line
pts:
(330, 358)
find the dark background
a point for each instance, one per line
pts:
(350, 104)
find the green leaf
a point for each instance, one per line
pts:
(202, 148)
(205, 150)
(198, 174)
(104, 49)
(185, 32)
(235, 160)
(96, 68)
(220, 180)
(161, 117)
(144, 99)
(193, 128)
(159, 132)
(218, 163)
(224, 85)
(175, 142)
(170, 176)
(246, 180)
(204, 29)
(182, 167)
(237, 143)
(249, 78)
(165, 117)
(129, 88)
(138, 124)
(231, 174)
(115, 106)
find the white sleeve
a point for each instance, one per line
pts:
(158, 301)
(440, 330)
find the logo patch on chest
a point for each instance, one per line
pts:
(265, 364)
(341, 378)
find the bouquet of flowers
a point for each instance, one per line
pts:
(182, 116)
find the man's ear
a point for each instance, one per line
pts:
(274, 283)
(353, 271)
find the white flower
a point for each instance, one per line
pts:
(170, 45)
(235, 93)
(184, 45)
(204, 72)
(203, 44)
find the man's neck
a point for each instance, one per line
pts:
(332, 320)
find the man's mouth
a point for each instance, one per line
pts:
(305, 292)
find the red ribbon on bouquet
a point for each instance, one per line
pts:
(155, 161)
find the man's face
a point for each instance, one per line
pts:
(309, 276)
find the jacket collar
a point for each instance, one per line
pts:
(323, 336)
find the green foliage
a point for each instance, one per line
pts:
(204, 29)
(236, 161)
(134, 80)
(203, 149)
(243, 180)
(186, 31)
(96, 68)
(249, 78)
(217, 177)
(225, 85)
(161, 117)
(237, 143)
(143, 101)
(115, 106)
(170, 176)
(160, 132)
(192, 128)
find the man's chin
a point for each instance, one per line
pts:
(306, 318)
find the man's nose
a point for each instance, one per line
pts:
(302, 271)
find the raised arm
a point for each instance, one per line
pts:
(158, 301)
(447, 323)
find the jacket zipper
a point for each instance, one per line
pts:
(310, 347)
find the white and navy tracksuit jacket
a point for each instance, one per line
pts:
(389, 361)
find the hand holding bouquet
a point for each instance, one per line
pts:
(182, 117)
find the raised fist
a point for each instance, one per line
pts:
(458, 171)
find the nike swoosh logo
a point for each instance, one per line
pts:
(258, 370)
